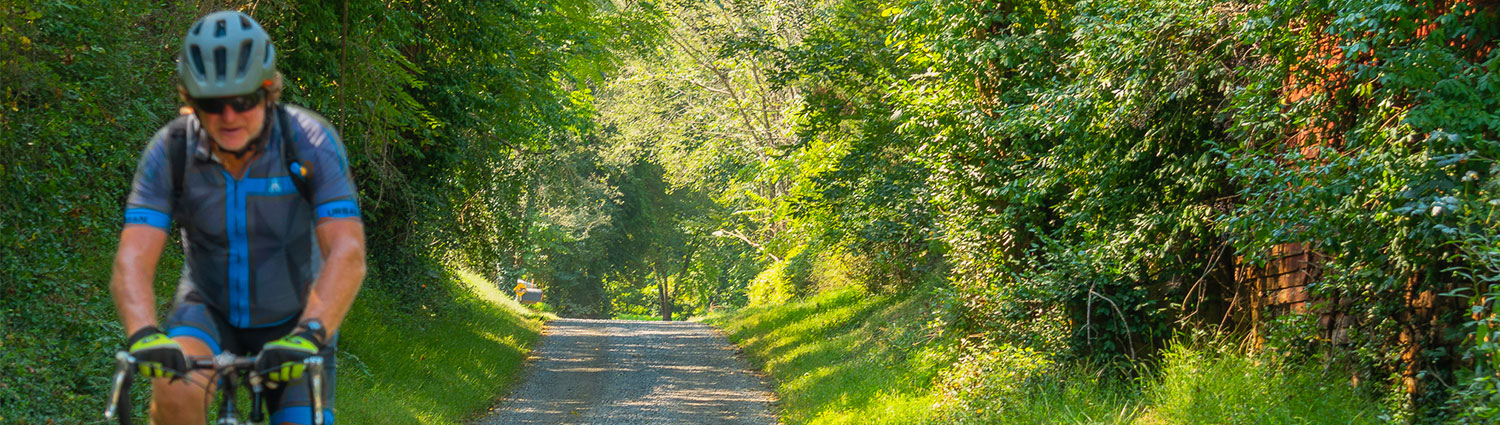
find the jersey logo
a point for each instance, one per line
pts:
(275, 188)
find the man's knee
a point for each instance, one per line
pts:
(182, 401)
(179, 401)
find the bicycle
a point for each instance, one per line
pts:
(232, 371)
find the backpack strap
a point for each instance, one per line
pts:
(299, 170)
(177, 157)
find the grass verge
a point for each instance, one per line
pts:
(440, 369)
(842, 357)
(850, 357)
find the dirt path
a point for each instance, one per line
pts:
(624, 372)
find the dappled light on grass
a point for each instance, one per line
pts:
(851, 357)
(442, 368)
(831, 360)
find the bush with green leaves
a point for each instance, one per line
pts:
(439, 104)
(1097, 170)
(1395, 183)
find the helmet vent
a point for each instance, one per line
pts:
(269, 50)
(196, 60)
(197, 28)
(220, 29)
(244, 22)
(220, 57)
(244, 62)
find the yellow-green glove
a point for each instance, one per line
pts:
(281, 360)
(156, 354)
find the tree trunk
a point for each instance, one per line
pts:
(664, 293)
(663, 298)
(518, 261)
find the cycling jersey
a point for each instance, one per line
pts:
(249, 245)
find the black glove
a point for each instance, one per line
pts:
(281, 360)
(157, 355)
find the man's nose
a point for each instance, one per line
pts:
(230, 114)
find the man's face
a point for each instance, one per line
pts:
(236, 121)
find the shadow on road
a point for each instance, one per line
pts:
(629, 372)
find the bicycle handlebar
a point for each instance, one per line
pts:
(223, 361)
(119, 395)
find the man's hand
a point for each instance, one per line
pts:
(281, 360)
(157, 355)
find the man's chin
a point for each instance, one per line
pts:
(235, 146)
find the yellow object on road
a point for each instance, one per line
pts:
(527, 292)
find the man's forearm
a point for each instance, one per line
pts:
(343, 274)
(135, 266)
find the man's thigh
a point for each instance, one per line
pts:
(195, 321)
(183, 401)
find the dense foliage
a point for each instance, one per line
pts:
(1099, 169)
(1078, 180)
(1092, 178)
(1399, 193)
(444, 129)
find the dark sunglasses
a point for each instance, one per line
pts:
(242, 103)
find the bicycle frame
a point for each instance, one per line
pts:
(232, 369)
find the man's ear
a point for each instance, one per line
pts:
(274, 87)
(182, 95)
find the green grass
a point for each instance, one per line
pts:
(1207, 383)
(847, 357)
(441, 369)
(841, 357)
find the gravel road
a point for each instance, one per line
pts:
(626, 372)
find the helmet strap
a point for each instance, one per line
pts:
(240, 154)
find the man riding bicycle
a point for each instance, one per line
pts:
(273, 245)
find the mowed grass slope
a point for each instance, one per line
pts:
(850, 357)
(842, 357)
(441, 369)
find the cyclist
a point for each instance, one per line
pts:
(272, 241)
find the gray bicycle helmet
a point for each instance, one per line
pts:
(226, 54)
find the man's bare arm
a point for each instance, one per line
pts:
(134, 269)
(342, 242)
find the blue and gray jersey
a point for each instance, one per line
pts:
(250, 248)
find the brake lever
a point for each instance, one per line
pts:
(119, 385)
(315, 377)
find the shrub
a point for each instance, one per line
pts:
(540, 307)
(771, 286)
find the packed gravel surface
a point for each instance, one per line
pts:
(627, 372)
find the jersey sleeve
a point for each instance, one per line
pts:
(333, 183)
(150, 200)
